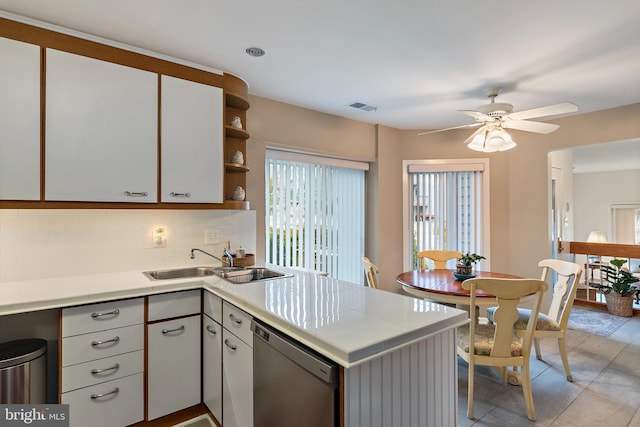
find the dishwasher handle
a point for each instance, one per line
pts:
(308, 359)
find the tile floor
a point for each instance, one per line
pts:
(605, 391)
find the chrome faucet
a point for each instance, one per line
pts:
(229, 257)
(228, 261)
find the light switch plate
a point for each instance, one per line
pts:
(211, 236)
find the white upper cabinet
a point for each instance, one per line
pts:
(19, 120)
(101, 130)
(192, 134)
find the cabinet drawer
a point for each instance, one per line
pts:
(102, 370)
(174, 304)
(113, 403)
(238, 322)
(212, 306)
(98, 345)
(99, 317)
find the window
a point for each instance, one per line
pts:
(315, 214)
(626, 224)
(446, 207)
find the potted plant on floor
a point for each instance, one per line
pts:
(617, 288)
(466, 262)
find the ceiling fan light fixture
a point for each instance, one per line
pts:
(477, 143)
(492, 140)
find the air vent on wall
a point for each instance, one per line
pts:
(361, 106)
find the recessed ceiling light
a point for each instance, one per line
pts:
(254, 51)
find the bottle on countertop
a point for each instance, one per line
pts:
(240, 252)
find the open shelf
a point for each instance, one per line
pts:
(236, 167)
(234, 132)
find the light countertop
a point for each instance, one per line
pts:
(348, 323)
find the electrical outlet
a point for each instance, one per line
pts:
(211, 236)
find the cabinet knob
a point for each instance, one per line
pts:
(231, 346)
(172, 194)
(211, 330)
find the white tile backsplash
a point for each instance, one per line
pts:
(46, 243)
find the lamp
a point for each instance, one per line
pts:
(597, 237)
(491, 139)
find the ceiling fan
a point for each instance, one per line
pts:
(495, 117)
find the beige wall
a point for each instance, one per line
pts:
(520, 179)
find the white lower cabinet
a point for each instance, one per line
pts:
(102, 363)
(212, 366)
(173, 365)
(237, 369)
(109, 404)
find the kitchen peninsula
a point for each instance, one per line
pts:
(396, 353)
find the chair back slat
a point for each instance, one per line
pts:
(439, 257)
(564, 290)
(508, 293)
(370, 272)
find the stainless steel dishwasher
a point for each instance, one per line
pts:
(293, 386)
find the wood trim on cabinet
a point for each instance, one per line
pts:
(67, 43)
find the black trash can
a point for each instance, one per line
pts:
(23, 371)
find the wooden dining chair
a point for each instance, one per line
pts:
(495, 344)
(439, 257)
(554, 323)
(371, 272)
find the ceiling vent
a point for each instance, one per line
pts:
(364, 107)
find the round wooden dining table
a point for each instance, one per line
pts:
(442, 286)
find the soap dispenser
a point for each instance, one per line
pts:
(240, 252)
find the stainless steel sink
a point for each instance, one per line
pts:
(249, 274)
(180, 273)
(232, 274)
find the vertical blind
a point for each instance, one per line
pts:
(446, 211)
(315, 217)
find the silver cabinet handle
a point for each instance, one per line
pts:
(99, 371)
(168, 331)
(210, 329)
(231, 346)
(106, 313)
(136, 193)
(98, 396)
(180, 194)
(111, 341)
(234, 319)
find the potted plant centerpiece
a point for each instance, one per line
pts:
(466, 262)
(618, 290)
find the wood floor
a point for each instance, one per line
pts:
(605, 391)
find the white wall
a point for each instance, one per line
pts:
(46, 243)
(594, 193)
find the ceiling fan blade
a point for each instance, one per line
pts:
(529, 126)
(481, 117)
(472, 125)
(549, 110)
